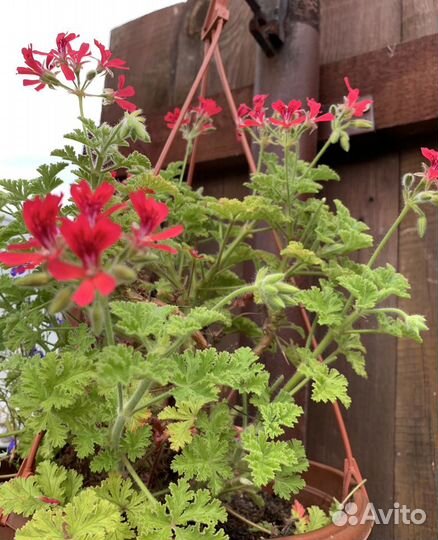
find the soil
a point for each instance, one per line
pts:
(275, 515)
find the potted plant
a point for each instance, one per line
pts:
(148, 426)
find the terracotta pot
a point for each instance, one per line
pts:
(324, 483)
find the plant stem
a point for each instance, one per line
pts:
(388, 235)
(186, 159)
(81, 113)
(234, 294)
(247, 521)
(11, 433)
(139, 481)
(317, 157)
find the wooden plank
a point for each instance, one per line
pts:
(371, 190)
(402, 82)
(419, 18)
(353, 27)
(416, 437)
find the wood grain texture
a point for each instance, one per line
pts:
(402, 82)
(371, 190)
(416, 419)
(352, 27)
(419, 18)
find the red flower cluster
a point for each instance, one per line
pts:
(56, 242)
(432, 169)
(70, 61)
(197, 119)
(286, 115)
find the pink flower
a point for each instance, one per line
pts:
(288, 116)
(41, 220)
(91, 203)
(105, 62)
(314, 110)
(152, 214)
(432, 169)
(88, 243)
(41, 71)
(197, 119)
(123, 92)
(352, 104)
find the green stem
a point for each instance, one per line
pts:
(317, 157)
(81, 113)
(233, 295)
(388, 235)
(153, 400)
(11, 434)
(139, 481)
(186, 159)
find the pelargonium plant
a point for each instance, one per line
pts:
(119, 297)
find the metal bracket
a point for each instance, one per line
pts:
(218, 9)
(267, 25)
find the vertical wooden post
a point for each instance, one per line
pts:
(293, 73)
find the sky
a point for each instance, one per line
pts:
(33, 123)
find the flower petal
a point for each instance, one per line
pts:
(85, 294)
(63, 271)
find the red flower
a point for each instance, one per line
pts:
(208, 107)
(62, 53)
(432, 169)
(88, 243)
(152, 214)
(40, 217)
(42, 72)
(289, 115)
(77, 57)
(352, 103)
(91, 204)
(255, 117)
(105, 62)
(171, 118)
(123, 92)
(314, 110)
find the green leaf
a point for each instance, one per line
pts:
(363, 290)
(207, 457)
(297, 251)
(328, 384)
(87, 517)
(182, 421)
(406, 326)
(182, 508)
(135, 442)
(119, 364)
(265, 458)
(277, 414)
(21, 496)
(317, 519)
(325, 302)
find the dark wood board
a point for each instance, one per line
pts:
(371, 190)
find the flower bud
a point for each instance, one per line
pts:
(334, 137)
(91, 75)
(124, 273)
(421, 226)
(362, 124)
(61, 301)
(36, 279)
(345, 141)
